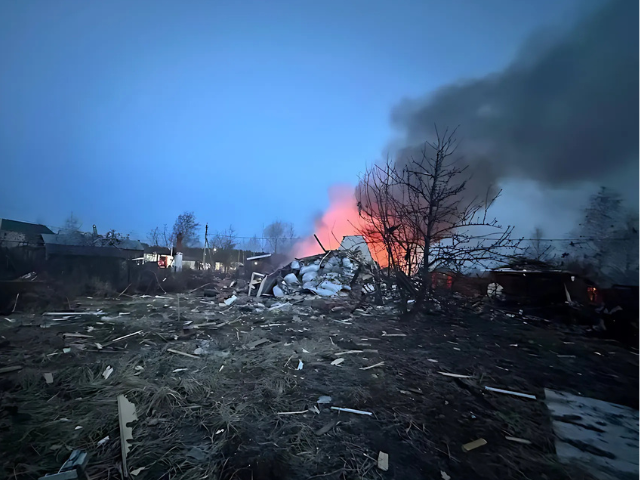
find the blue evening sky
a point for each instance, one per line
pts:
(129, 112)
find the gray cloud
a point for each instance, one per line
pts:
(565, 112)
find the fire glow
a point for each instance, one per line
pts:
(340, 219)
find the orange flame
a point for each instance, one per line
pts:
(340, 219)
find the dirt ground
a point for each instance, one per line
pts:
(227, 414)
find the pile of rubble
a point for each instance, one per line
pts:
(332, 274)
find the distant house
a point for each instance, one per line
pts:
(538, 283)
(83, 257)
(160, 255)
(88, 245)
(16, 234)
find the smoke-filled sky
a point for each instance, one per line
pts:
(128, 113)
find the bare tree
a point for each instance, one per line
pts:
(279, 236)
(537, 248)
(224, 240)
(253, 244)
(154, 236)
(418, 208)
(187, 227)
(72, 224)
(607, 248)
(168, 237)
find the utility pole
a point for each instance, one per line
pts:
(204, 249)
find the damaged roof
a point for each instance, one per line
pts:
(90, 245)
(23, 227)
(356, 244)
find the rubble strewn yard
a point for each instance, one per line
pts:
(249, 390)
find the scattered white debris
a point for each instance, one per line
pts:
(444, 475)
(180, 370)
(379, 364)
(48, 377)
(383, 461)
(107, 372)
(518, 440)
(508, 392)
(137, 471)
(432, 360)
(300, 365)
(454, 375)
(292, 413)
(126, 415)
(337, 361)
(78, 428)
(324, 399)
(467, 447)
(351, 410)
(181, 353)
(230, 300)
(218, 432)
(385, 334)
(103, 441)
(66, 350)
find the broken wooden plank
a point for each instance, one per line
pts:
(467, 447)
(14, 368)
(454, 375)
(351, 410)
(509, 392)
(99, 312)
(518, 440)
(385, 334)
(383, 461)
(349, 352)
(76, 335)
(181, 353)
(379, 364)
(122, 338)
(126, 415)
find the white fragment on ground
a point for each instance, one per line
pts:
(444, 475)
(230, 300)
(300, 365)
(126, 415)
(337, 361)
(107, 372)
(48, 377)
(383, 461)
(103, 441)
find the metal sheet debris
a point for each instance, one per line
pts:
(126, 415)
